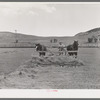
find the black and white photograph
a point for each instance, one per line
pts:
(49, 45)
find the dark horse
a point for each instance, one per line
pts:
(42, 49)
(73, 49)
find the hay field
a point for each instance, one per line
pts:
(12, 58)
(30, 75)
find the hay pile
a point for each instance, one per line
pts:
(21, 78)
(56, 60)
(25, 75)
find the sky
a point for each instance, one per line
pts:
(48, 19)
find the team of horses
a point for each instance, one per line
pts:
(71, 49)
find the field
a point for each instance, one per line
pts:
(29, 75)
(12, 58)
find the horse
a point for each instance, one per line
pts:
(42, 49)
(74, 48)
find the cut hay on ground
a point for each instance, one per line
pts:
(56, 60)
(27, 75)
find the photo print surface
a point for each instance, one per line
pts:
(49, 45)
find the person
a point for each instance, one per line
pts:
(61, 48)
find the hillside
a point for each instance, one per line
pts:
(83, 36)
(9, 38)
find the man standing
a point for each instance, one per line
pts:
(61, 48)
